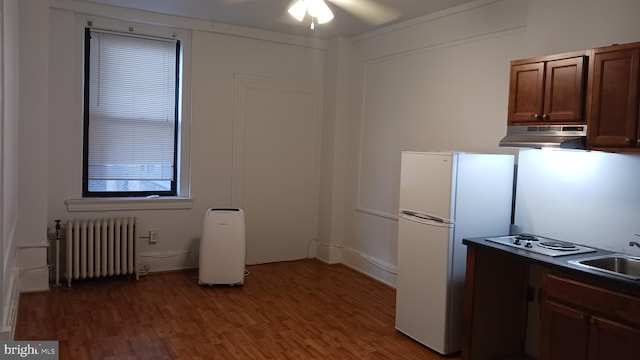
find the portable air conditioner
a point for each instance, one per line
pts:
(222, 248)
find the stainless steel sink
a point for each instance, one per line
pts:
(616, 264)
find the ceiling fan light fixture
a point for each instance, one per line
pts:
(298, 9)
(319, 10)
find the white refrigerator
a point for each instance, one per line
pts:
(444, 197)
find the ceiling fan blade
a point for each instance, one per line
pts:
(233, 2)
(369, 11)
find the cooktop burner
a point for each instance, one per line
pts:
(541, 245)
(556, 245)
(526, 237)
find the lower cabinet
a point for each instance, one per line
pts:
(565, 332)
(495, 306)
(582, 321)
(612, 340)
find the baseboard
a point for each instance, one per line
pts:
(339, 254)
(10, 308)
(328, 254)
(168, 260)
(34, 280)
(374, 268)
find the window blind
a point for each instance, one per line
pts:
(132, 108)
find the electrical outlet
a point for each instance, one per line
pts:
(153, 236)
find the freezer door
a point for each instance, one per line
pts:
(422, 291)
(426, 183)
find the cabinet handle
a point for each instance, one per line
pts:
(537, 117)
(585, 317)
(545, 117)
(627, 140)
(638, 143)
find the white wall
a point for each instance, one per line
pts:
(33, 141)
(9, 115)
(442, 84)
(335, 141)
(437, 83)
(216, 58)
(586, 197)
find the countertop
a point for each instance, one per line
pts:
(561, 263)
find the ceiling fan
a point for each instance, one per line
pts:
(369, 11)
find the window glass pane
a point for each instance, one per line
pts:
(132, 113)
(128, 185)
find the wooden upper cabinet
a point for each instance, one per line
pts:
(547, 90)
(526, 91)
(613, 104)
(564, 90)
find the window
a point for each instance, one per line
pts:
(131, 115)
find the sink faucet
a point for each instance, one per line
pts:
(634, 243)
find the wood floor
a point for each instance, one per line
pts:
(292, 310)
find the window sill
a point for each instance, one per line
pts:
(115, 204)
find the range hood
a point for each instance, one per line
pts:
(550, 136)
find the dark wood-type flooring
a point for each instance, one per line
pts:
(291, 310)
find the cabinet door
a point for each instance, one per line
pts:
(612, 340)
(564, 91)
(613, 110)
(526, 89)
(565, 333)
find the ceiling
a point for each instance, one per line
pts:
(272, 15)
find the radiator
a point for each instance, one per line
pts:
(98, 248)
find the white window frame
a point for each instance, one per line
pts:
(183, 200)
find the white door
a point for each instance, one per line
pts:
(276, 157)
(426, 183)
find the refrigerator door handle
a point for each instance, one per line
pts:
(424, 218)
